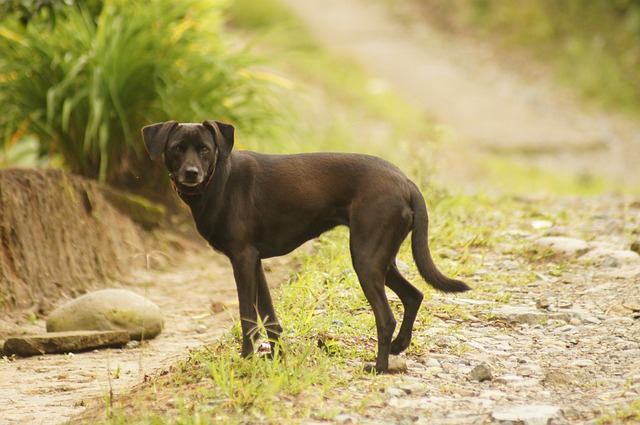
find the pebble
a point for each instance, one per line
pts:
(526, 414)
(581, 363)
(481, 372)
(564, 245)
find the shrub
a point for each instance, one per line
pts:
(85, 86)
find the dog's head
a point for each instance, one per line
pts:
(190, 150)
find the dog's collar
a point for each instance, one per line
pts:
(196, 190)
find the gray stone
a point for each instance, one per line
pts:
(607, 255)
(480, 373)
(564, 246)
(109, 309)
(526, 315)
(396, 365)
(64, 342)
(403, 267)
(528, 415)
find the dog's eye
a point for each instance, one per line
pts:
(204, 151)
(177, 148)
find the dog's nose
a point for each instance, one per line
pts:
(191, 173)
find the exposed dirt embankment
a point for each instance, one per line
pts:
(60, 234)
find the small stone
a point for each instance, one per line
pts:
(564, 246)
(217, 307)
(574, 321)
(480, 373)
(543, 303)
(429, 361)
(565, 304)
(201, 328)
(337, 323)
(635, 246)
(607, 255)
(523, 315)
(394, 392)
(403, 267)
(582, 363)
(541, 224)
(344, 418)
(397, 365)
(564, 329)
(527, 415)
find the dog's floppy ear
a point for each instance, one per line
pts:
(223, 134)
(155, 137)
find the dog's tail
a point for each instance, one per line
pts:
(421, 252)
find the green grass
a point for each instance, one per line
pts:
(510, 177)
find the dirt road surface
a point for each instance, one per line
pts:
(488, 107)
(53, 388)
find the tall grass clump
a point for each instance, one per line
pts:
(85, 86)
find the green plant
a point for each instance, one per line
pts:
(85, 87)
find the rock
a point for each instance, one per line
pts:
(480, 373)
(526, 315)
(607, 255)
(543, 303)
(635, 247)
(396, 365)
(582, 363)
(344, 418)
(527, 415)
(64, 342)
(541, 224)
(403, 267)
(564, 246)
(109, 309)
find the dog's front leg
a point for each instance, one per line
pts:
(246, 264)
(267, 313)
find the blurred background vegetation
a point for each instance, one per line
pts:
(78, 79)
(593, 45)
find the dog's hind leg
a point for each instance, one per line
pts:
(373, 249)
(411, 299)
(266, 311)
(372, 282)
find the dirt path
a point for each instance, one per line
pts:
(487, 107)
(51, 389)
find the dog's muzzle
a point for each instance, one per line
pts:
(191, 177)
(190, 181)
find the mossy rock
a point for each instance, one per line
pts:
(109, 310)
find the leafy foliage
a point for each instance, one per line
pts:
(86, 86)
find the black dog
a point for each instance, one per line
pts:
(251, 206)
